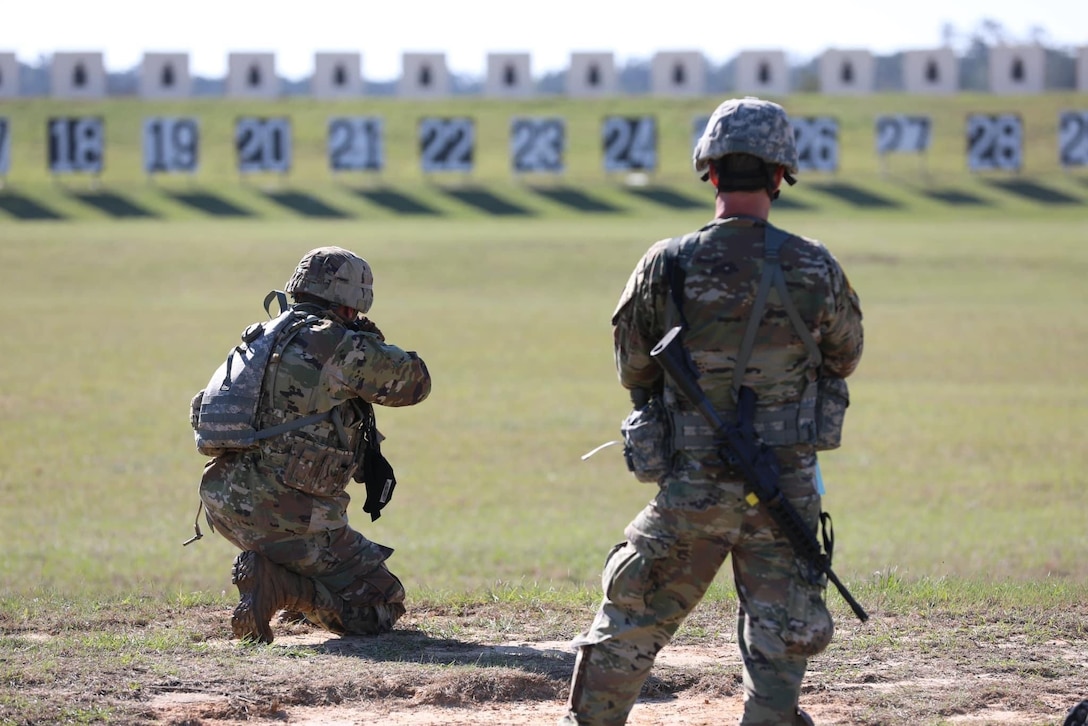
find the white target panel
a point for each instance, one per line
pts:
(76, 144)
(509, 75)
(171, 145)
(356, 143)
(9, 75)
(537, 144)
(903, 134)
(817, 139)
(1072, 138)
(262, 144)
(933, 72)
(1017, 69)
(678, 73)
(447, 144)
(252, 75)
(995, 142)
(337, 75)
(592, 75)
(5, 146)
(762, 73)
(165, 75)
(1082, 69)
(846, 72)
(629, 143)
(424, 75)
(77, 75)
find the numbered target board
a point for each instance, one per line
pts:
(537, 145)
(447, 144)
(263, 144)
(5, 147)
(817, 139)
(355, 143)
(171, 145)
(630, 143)
(76, 144)
(995, 142)
(698, 126)
(1072, 138)
(902, 134)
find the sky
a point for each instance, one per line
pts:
(467, 30)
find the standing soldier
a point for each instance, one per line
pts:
(738, 332)
(289, 421)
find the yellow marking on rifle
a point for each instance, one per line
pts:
(752, 499)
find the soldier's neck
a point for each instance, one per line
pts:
(748, 204)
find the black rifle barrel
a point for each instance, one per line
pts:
(755, 460)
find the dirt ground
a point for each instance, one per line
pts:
(491, 666)
(693, 685)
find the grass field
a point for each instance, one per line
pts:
(959, 491)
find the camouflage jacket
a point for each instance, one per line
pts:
(723, 270)
(327, 363)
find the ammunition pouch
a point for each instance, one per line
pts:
(816, 420)
(317, 469)
(648, 441)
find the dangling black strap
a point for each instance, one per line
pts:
(827, 534)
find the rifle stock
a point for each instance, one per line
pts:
(744, 451)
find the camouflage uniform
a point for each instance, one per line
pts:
(247, 496)
(676, 545)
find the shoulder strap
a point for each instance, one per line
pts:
(773, 240)
(674, 277)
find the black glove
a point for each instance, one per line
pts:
(365, 325)
(380, 481)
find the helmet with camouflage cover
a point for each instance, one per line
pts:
(752, 126)
(336, 275)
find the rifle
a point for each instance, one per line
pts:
(743, 450)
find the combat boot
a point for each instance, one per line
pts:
(264, 588)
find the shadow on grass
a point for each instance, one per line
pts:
(306, 205)
(791, 203)
(497, 672)
(26, 209)
(855, 195)
(396, 201)
(668, 198)
(1033, 191)
(487, 201)
(210, 204)
(575, 199)
(113, 204)
(955, 197)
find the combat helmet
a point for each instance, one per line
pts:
(748, 125)
(336, 275)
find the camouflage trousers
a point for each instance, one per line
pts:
(654, 579)
(356, 592)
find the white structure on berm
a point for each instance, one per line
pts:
(75, 75)
(509, 75)
(252, 75)
(9, 75)
(935, 71)
(1082, 69)
(678, 73)
(165, 75)
(337, 75)
(1016, 69)
(761, 73)
(846, 72)
(424, 75)
(592, 74)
